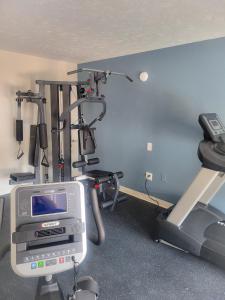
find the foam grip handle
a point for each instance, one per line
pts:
(93, 161)
(79, 164)
(120, 174)
(43, 136)
(19, 130)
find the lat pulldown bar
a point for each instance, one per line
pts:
(105, 74)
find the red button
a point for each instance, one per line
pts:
(61, 260)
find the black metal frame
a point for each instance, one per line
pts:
(80, 114)
(54, 97)
(63, 121)
(64, 173)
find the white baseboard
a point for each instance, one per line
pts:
(145, 197)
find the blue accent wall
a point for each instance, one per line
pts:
(184, 81)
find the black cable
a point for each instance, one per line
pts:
(151, 199)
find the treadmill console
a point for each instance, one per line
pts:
(213, 128)
(47, 228)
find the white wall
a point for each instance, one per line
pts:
(19, 72)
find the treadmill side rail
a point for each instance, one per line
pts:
(203, 188)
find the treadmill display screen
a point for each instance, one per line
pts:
(215, 124)
(49, 204)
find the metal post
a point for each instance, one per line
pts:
(82, 157)
(44, 170)
(67, 134)
(54, 89)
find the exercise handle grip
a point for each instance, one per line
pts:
(79, 164)
(43, 136)
(93, 161)
(19, 130)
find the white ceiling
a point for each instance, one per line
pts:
(86, 30)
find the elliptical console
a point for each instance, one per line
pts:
(47, 228)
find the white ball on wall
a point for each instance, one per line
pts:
(143, 76)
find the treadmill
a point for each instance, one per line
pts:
(192, 224)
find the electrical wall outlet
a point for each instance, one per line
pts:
(163, 178)
(149, 147)
(148, 176)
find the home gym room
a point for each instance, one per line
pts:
(112, 150)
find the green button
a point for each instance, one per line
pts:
(41, 264)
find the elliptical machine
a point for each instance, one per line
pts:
(192, 224)
(48, 236)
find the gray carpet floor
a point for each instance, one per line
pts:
(130, 266)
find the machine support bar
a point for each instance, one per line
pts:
(196, 192)
(43, 170)
(67, 134)
(54, 90)
(214, 188)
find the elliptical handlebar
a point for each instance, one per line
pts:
(98, 220)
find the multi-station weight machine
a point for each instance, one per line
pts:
(87, 92)
(61, 106)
